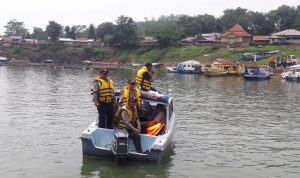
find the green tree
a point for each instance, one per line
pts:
(125, 32)
(297, 18)
(80, 31)
(39, 33)
(54, 30)
(283, 17)
(91, 32)
(73, 33)
(67, 31)
(108, 39)
(14, 27)
(188, 25)
(297, 21)
(206, 23)
(163, 39)
(167, 31)
(260, 24)
(234, 16)
(104, 29)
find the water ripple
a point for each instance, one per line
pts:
(226, 127)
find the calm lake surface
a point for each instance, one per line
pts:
(226, 127)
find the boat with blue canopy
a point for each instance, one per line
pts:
(187, 67)
(257, 73)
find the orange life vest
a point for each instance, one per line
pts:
(155, 129)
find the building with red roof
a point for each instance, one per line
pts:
(236, 37)
(260, 40)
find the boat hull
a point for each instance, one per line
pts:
(172, 71)
(292, 78)
(89, 149)
(189, 72)
(96, 142)
(3, 62)
(253, 77)
(216, 74)
(257, 73)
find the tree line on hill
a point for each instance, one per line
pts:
(126, 33)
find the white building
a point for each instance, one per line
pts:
(289, 36)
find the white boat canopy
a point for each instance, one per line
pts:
(295, 66)
(191, 62)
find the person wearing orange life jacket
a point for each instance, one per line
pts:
(157, 121)
(144, 77)
(131, 91)
(103, 97)
(127, 118)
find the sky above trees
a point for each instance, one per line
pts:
(38, 13)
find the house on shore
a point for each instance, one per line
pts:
(204, 39)
(15, 41)
(215, 37)
(289, 36)
(80, 42)
(275, 40)
(260, 40)
(149, 42)
(104, 65)
(207, 39)
(188, 41)
(236, 37)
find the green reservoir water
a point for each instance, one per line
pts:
(225, 127)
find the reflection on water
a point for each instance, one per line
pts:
(108, 168)
(226, 127)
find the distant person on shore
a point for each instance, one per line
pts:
(103, 97)
(144, 77)
(130, 91)
(272, 62)
(127, 118)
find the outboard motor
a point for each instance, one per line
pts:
(120, 147)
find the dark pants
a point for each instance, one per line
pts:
(136, 141)
(106, 115)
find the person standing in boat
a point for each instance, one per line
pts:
(127, 118)
(131, 91)
(103, 97)
(144, 77)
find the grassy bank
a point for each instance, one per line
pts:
(75, 55)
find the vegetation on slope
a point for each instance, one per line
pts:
(75, 55)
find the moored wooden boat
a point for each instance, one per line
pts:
(223, 68)
(257, 73)
(187, 67)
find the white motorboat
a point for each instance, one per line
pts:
(3, 60)
(293, 74)
(97, 142)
